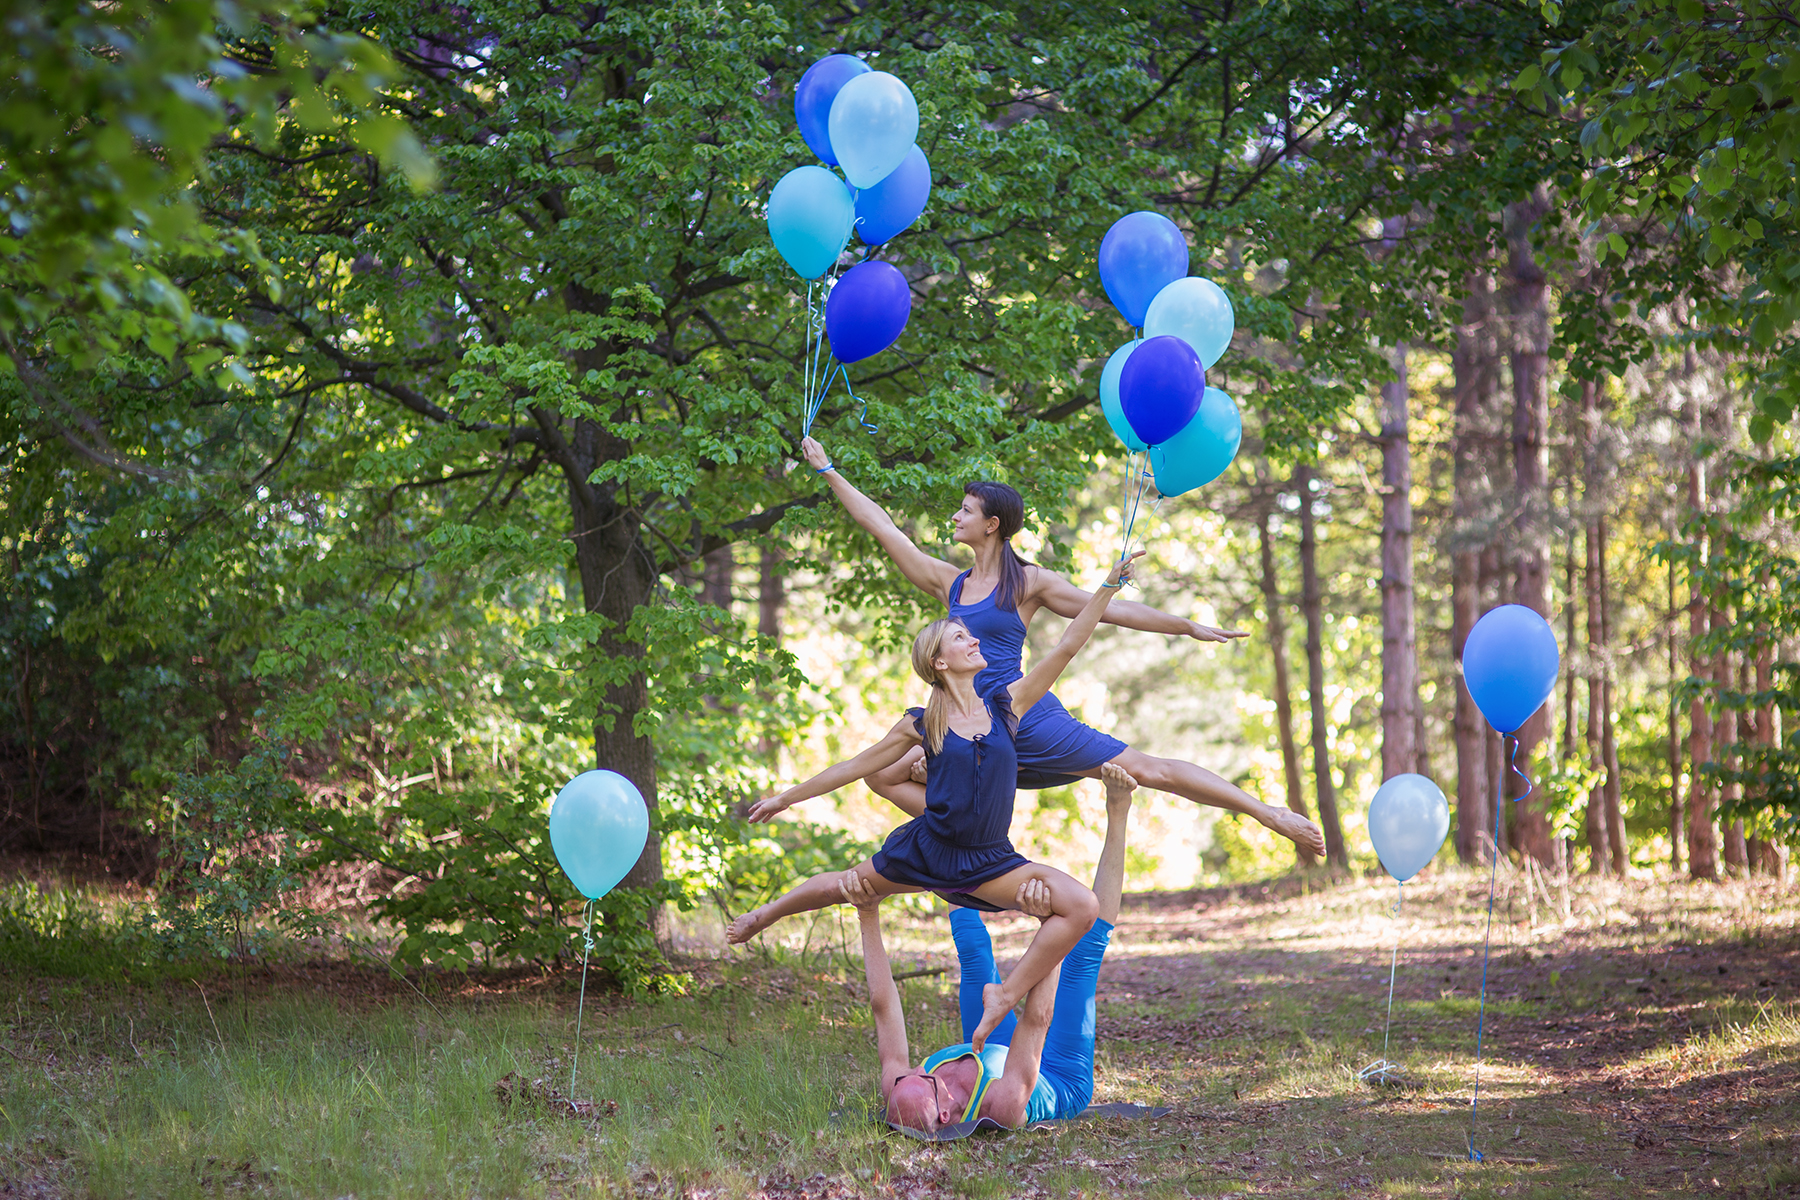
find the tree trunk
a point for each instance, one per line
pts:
(1570, 683)
(1274, 605)
(1315, 670)
(1474, 364)
(716, 579)
(1598, 831)
(1609, 737)
(1703, 843)
(1493, 587)
(1399, 640)
(1528, 304)
(1766, 857)
(618, 574)
(1677, 825)
(771, 594)
(1735, 852)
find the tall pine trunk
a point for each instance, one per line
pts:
(1399, 640)
(1677, 822)
(1609, 738)
(1274, 605)
(1528, 303)
(1598, 831)
(1735, 852)
(1315, 669)
(1474, 364)
(1703, 842)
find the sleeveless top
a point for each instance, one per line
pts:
(1000, 631)
(991, 1061)
(971, 783)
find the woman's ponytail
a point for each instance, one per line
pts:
(1006, 505)
(926, 648)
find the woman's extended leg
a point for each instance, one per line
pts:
(821, 891)
(1072, 912)
(1203, 787)
(975, 955)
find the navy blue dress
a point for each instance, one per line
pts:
(1054, 748)
(960, 843)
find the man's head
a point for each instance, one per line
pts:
(923, 1102)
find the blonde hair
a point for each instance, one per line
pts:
(926, 648)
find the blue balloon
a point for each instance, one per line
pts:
(1141, 254)
(874, 122)
(813, 96)
(598, 827)
(1160, 388)
(1510, 663)
(867, 310)
(1109, 396)
(1203, 449)
(810, 215)
(1408, 819)
(1198, 312)
(886, 208)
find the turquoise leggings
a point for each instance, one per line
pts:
(1068, 1062)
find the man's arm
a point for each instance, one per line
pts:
(1008, 1096)
(930, 575)
(884, 993)
(1066, 600)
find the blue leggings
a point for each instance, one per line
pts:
(1068, 1062)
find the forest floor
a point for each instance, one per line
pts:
(1642, 1039)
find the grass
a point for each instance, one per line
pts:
(1620, 1061)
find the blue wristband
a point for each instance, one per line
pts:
(825, 468)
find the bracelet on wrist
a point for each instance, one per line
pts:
(1119, 584)
(825, 468)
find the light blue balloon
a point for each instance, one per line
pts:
(598, 827)
(1408, 819)
(811, 214)
(874, 122)
(1109, 396)
(1510, 663)
(1198, 312)
(1202, 450)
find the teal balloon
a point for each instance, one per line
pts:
(1198, 312)
(874, 122)
(598, 827)
(811, 214)
(1109, 396)
(1204, 447)
(1408, 820)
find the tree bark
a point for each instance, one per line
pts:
(1528, 304)
(1494, 589)
(1735, 852)
(771, 594)
(1609, 737)
(1766, 857)
(1274, 605)
(1677, 823)
(1598, 831)
(618, 574)
(1703, 843)
(1474, 365)
(1399, 637)
(1315, 670)
(716, 579)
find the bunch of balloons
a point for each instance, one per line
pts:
(863, 122)
(1153, 388)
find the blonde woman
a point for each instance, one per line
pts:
(960, 844)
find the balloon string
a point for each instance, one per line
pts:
(1137, 472)
(817, 400)
(1382, 1070)
(587, 946)
(1511, 742)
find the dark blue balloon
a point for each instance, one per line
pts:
(813, 96)
(1510, 663)
(886, 208)
(1161, 387)
(1141, 254)
(866, 311)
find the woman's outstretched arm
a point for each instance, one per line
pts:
(1066, 600)
(885, 753)
(930, 575)
(1043, 676)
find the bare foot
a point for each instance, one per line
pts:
(746, 927)
(918, 770)
(1290, 824)
(1119, 786)
(993, 1011)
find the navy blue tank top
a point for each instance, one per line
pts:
(970, 785)
(1000, 631)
